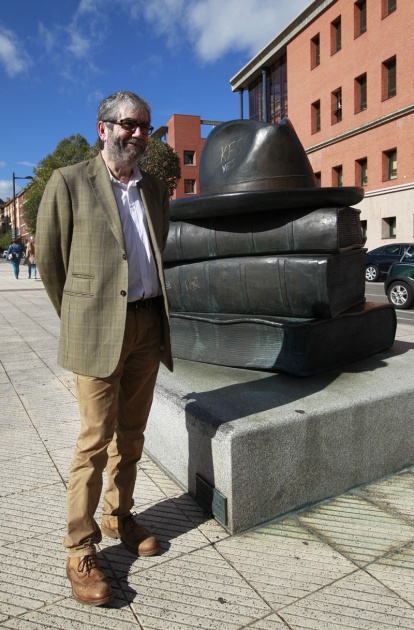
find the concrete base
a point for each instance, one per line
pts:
(272, 443)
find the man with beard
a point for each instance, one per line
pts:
(101, 229)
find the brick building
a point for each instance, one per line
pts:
(183, 134)
(343, 72)
(20, 229)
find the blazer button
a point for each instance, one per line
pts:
(124, 256)
(123, 293)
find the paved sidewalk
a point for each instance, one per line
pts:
(345, 563)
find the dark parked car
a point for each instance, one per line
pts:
(399, 285)
(379, 260)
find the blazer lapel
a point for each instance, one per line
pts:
(104, 194)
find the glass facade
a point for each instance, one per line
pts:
(276, 90)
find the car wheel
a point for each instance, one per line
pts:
(372, 273)
(400, 294)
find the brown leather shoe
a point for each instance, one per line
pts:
(136, 538)
(89, 584)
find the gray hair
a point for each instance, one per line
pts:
(110, 106)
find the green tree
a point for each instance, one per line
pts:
(161, 160)
(5, 239)
(69, 151)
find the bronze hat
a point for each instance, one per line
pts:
(249, 166)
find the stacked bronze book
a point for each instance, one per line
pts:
(264, 269)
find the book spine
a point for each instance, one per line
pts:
(323, 230)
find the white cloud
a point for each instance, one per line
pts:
(217, 27)
(2, 164)
(79, 45)
(48, 38)
(209, 29)
(13, 56)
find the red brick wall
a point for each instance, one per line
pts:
(384, 38)
(184, 134)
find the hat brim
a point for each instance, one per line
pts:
(205, 206)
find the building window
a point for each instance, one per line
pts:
(360, 93)
(389, 78)
(189, 186)
(278, 90)
(318, 179)
(389, 227)
(336, 104)
(336, 36)
(189, 158)
(256, 100)
(360, 17)
(388, 6)
(316, 116)
(389, 165)
(361, 172)
(337, 176)
(315, 51)
(364, 230)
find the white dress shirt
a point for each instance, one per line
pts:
(143, 280)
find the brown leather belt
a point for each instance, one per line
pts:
(139, 304)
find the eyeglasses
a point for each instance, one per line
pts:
(131, 125)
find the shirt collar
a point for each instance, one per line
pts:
(136, 176)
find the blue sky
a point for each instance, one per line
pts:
(58, 60)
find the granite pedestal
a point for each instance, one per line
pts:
(254, 445)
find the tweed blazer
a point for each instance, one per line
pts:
(81, 255)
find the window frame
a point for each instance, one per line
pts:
(336, 106)
(360, 18)
(361, 91)
(388, 7)
(361, 172)
(189, 153)
(390, 172)
(316, 117)
(389, 227)
(336, 35)
(188, 181)
(389, 78)
(315, 43)
(337, 176)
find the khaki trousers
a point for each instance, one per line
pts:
(114, 412)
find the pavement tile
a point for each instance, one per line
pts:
(58, 434)
(357, 528)
(272, 622)
(396, 571)
(395, 493)
(284, 561)
(198, 590)
(175, 532)
(146, 490)
(64, 616)
(159, 477)
(19, 442)
(27, 473)
(62, 458)
(356, 601)
(26, 515)
(209, 527)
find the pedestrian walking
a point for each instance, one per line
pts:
(31, 260)
(101, 230)
(14, 255)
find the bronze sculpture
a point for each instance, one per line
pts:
(264, 269)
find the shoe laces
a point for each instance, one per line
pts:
(87, 563)
(128, 522)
